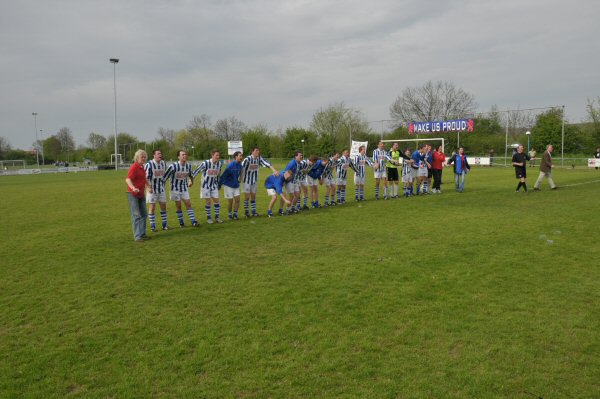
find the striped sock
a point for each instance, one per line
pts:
(356, 191)
(305, 201)
(327, 199)
(152, 221)
(362, 193)
(180, 217)
(343, 192)
(425, 186)
(246, 210)
(191, 215)
(207, 210)
(337, 194)
(253, 203)
(217, 210)
(377, 192)
(163, 216)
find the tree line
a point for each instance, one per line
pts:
(332, 127)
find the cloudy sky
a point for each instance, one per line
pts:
(276, 62)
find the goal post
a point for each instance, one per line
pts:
(13, 164)
(118, 158)
(416, 141)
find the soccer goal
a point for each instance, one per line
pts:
(12, 164)
(118, 158)
(416, 141)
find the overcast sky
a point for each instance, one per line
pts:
(277, 62)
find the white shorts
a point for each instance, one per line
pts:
(422, 172)
(209, 193)
(290, 188)
(311, 182)
(359, 180)
(328, 181)
(180, 195)
(298, 186)
(407, 178)
(303, 182)
(340, 182)
(153, 198)
(380, 173)
(271, 192)
(230, 192)
(414, 173)
(248, 188)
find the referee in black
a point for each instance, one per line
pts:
(519, 161)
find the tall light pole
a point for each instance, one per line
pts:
(115, 61)
(43, 155)
(528, 133)
(302, 146)
(37, 145)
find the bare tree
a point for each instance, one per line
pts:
(96, 141)
(4, 146)
(432, 101)
(167, 134)
(330, 121)
(66, 140)
(229, 128)
(201, 122)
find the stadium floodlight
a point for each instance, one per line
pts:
(528, 133)
(37, 144)
(115, 61)
(302, 146)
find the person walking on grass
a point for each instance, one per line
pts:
(519, 161)
(546, 169)
(136, 186)
(461, 168)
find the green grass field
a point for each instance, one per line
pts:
(445, 296)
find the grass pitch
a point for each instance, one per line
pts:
(475, 295)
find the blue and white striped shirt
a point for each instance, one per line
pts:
(358, 164)
(250, 167)
(379, 158)
(342, 167)
(303, 168)
(328, 171)
(179, 175)
(210, 173)
(155, 175)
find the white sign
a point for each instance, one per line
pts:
(478, 161)
(356, 145)
(233, 146)
(594, 162)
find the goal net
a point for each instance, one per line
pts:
(12, 164)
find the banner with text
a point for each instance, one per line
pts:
(233, 146)
(457, 125)
(356, 145)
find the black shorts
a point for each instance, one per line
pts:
(520, 174)
(429, 173)
(392, 174)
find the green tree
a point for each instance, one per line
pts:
(548, 130)
(292, 142)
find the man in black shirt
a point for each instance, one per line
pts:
(519, 161)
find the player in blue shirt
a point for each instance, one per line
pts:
(313, 179)
(274, 185)
(230, 180)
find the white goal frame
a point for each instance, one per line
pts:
(118, 157)
(14, 163)
(417, 140)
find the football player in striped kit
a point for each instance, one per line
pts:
(407, 173)
(301, 183)
(380, 156)
(250, 166)
(328, 179)
(290, 186)
(358, 165)
(211, 169)
(180, 173)
(341, 176)
(155, 173)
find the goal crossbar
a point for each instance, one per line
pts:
(417, 140)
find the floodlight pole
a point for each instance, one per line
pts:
(114, 61)
(528, 133)
(562, 161)
(506, 138)
(302, 146)
(37, 144)
(43, 152)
